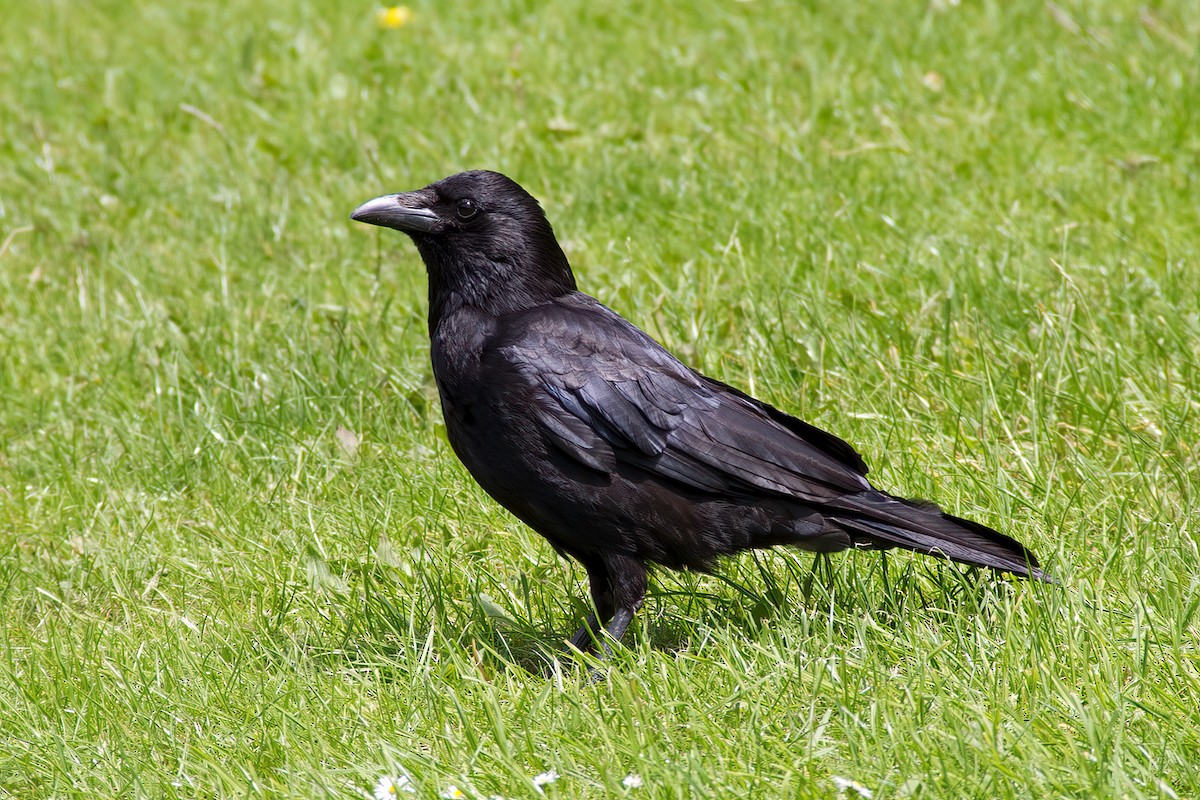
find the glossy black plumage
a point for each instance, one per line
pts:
(603, 442)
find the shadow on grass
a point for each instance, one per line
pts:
(393, 632)
(753, 594)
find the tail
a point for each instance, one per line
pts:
(879, 520)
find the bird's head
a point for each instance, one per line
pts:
(485, 241)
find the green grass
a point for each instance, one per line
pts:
(963, 237)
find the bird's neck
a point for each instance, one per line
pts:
(496, 287)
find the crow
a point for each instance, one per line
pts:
(599, 439)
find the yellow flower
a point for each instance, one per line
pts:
(393, 17)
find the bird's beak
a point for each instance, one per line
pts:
(407, 211)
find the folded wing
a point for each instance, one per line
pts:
(605, 393)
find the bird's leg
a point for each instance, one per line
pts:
(618, 585)
(602, 598)
(628, 582)
(585, 637)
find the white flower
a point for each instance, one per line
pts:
(542, 778)
(844, 784)
(452, 793)
(632, 782)
(390, 786)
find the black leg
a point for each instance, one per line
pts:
(602, 598)
(618, 585)
(628, 582)
(585, 637)
(627, 578)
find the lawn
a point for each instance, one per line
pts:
(238, 559)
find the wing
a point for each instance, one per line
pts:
(605, 393)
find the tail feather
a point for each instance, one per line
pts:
(885, 521)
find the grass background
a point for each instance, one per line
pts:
(237, 558)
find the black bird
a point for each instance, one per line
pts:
(595, 436)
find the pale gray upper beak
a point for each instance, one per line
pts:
(407, 211)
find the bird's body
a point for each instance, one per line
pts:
(600, 440)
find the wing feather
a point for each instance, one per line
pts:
(608, 394)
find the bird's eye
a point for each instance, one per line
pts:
(466, 209)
